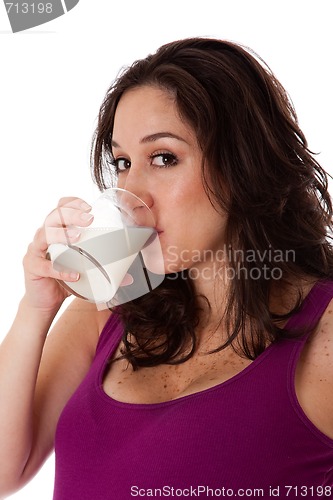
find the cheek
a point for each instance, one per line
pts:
(121, 180)
(176, 258)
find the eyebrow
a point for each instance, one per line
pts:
(154, 137)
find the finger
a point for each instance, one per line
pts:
(39, 244)
(39, 267)
(74, 202)
(128, 280)
(64, 235)
(69, 212)
(68, 216)
(45, 236)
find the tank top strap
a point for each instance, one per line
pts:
(312, 308)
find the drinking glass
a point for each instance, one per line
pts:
(121, 240)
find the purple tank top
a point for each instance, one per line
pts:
(247, 436)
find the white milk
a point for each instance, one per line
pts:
(102, 257)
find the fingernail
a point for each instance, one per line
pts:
(128, 280)
(85, 206)
(73, 234)
(74, 276)
(69, 275)
(86, 217)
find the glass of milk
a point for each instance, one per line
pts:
(122, 239)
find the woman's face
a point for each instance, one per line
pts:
(157, 157)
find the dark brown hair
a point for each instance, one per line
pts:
(263, 175)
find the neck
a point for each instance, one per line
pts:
(282, 298)
(212, 292)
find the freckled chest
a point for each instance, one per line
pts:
(168, 382)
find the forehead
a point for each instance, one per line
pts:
(148, 110)
(153, 93)
(146, 100)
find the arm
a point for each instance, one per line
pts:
(40, 371)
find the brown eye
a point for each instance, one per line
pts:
(164, 160)
(121, 164)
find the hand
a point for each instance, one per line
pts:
(62, 225)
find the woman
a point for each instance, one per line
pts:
(220, 381)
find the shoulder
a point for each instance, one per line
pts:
(315, 374)
(76, 330)
(85, 315)
(319, 347)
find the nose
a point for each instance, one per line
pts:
(137, 207)
(135, 180)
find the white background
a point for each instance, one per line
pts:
(53, 79)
